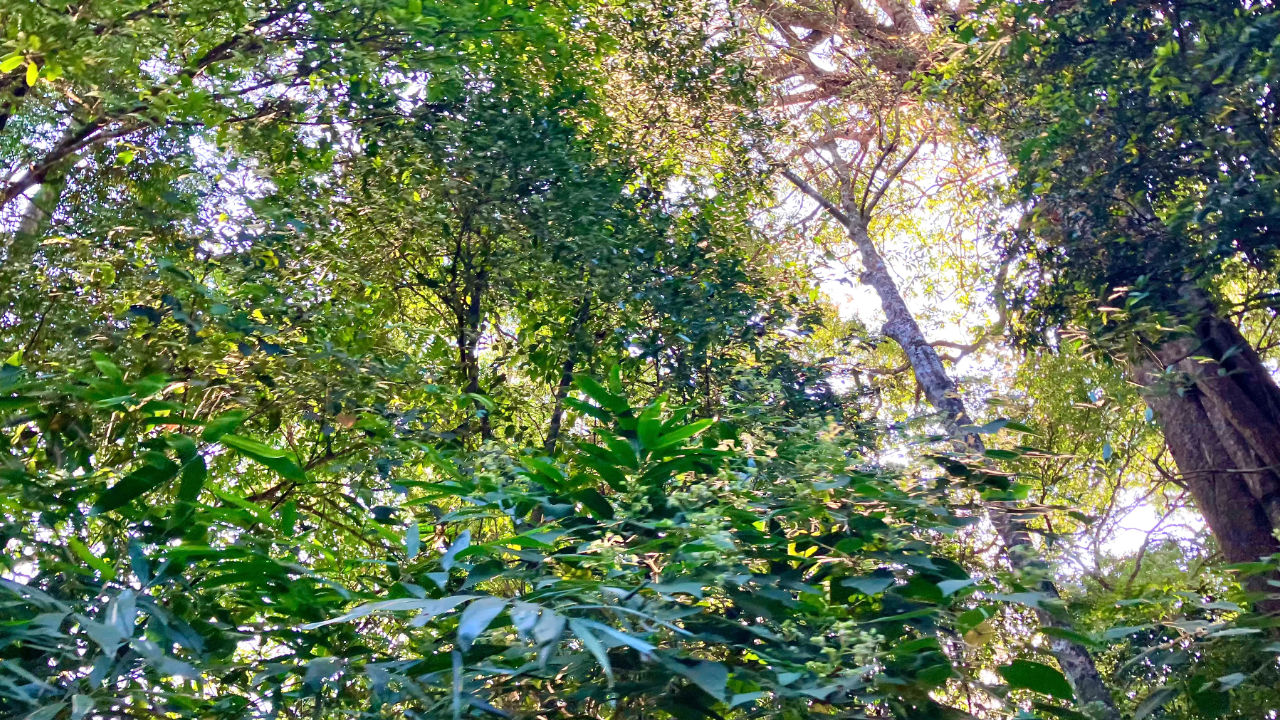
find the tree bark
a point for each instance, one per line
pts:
(1076, 663)
(1219, 409)
(21, 245)
(470, 322)
(566, 374)
(900, 325)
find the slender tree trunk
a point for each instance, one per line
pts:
(566, 374)
(470, 322)
(1077, 665)
(900, 325)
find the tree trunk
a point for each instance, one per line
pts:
(1220, 412)
(23, 242)
(566, 374)
(900, 325)
(1076, 663)
(470, 321)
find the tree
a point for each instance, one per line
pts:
(845, 80)
(1144, 162)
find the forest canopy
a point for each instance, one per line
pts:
(559, 359)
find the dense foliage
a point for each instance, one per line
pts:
(455, 359)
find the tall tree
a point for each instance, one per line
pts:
(1142, 135)
(844, 76)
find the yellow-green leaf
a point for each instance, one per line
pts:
(107, 569)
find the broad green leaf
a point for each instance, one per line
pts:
(642, 646)
(194, 474)
(871, 585)
(604, 398)
(11, 62)
(412, 541)
(592, 644)
(221, 425)
(106, 367)
(592, 500)
(1153, 702)
(712, 677)
(80, 706)
(649, 424)
(135, 484)
(1031, 675)
(47, 712)
(1071, 636)
(675, 437)
(281, 461)
(462, 542)
(429, 606)
(949, 587)
(476, 618)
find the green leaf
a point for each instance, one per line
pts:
(33, 73)
(642, 646)
(870, 585)
(106, 367)
(11, 62)
(604, 398)
(1210, 703)
(428, 607)
(649, 424)
(107, 570)
(1154, 702)
(412, 541)
(592, 500)
(281, 461)
(194, 474)
(221, 425)
(1071, 636)
(679, 435)
(949, 587)
(1030, 675)
(48, 712)
(140, 481)
(476, 618)
(460, 543)
(593, 644)
(712, 677)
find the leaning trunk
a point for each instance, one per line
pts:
(901, 325)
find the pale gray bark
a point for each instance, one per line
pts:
(900, 325)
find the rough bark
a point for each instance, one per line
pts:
(1219, 409)
(900, 325)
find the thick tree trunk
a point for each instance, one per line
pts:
(1220, 412)
(25, 240)
(900, 325)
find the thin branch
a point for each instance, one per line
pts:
(818, 197)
